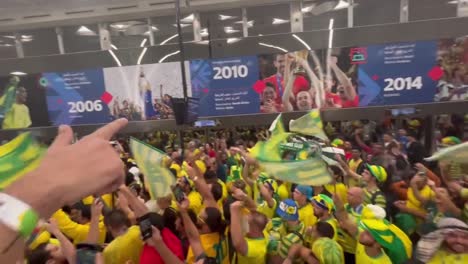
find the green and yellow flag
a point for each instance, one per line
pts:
(8, 97)
(309, 171)
(309, 124)
(457, 153)
(158, 178)
(18, 157)
(277, 127)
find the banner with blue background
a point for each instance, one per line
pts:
(224, 86)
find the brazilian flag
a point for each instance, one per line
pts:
(18, 157)
(309, 171)
(150, 160)
(457, 153)
(277, 127)
(309, 124)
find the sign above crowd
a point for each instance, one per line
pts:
(374, 75)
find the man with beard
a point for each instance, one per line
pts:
(448, 244)
(323, 210)
(277, 80)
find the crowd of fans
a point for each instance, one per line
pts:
(383, 205)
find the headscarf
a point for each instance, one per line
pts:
(429, 244)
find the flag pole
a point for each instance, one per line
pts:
(182, 68)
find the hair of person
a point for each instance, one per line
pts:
(129, 178)
(156, 220)
(169, 218)
(39, 255)
(214, 220)
(83, 208)
(269, 84)
(240, 184)
(336, 170)
(210, 176)
(216, 191)
(116, 219)
(325, 229)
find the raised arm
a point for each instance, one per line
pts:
(343, 79)
(198, 179)
(287, 94)
(238, 240)
(67, 247)
(138, 206)
(96, 212)
(190, 229)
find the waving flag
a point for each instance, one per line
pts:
(309, 124)
(277, 127)
(308, 171)
(18, 157)
(158, 178)
(457, 153)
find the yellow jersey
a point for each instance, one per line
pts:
(362, 257)
(341, 190)
(414, 203)
(78, 233)
(266, 210)
(353, 165)
(306, 215)
(256, 251)
(328, 251)
(444, 257)
(124, 248)
(212, 246)
(196, 201)
(17, 117)
(284, 191)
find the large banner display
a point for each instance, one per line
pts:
(76, 98)
(405, 73)
(224, 86)
(373, 75)
(144, 92)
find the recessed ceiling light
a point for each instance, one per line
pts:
(230, 30)
(250, 23)
(204, 32)
(341, 5)
(18, 73)
(188, 19)
(224, 17)
(232, 40)
(279, 21)
(203, 42)
(6, 45)
(10, 36)
(85, 31)
(182, 25)
(307, 9)
(453, 2)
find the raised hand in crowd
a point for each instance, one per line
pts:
(64, 176)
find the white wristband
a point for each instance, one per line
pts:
(17, 215)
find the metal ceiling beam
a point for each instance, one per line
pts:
(93, 15)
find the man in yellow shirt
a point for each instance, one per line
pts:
(448, 244)
(192, 195)
(302, 195)
(335, 187)
(18, 115)
(323, 210)
(77, 225)
(127, 244)
(251, 248)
